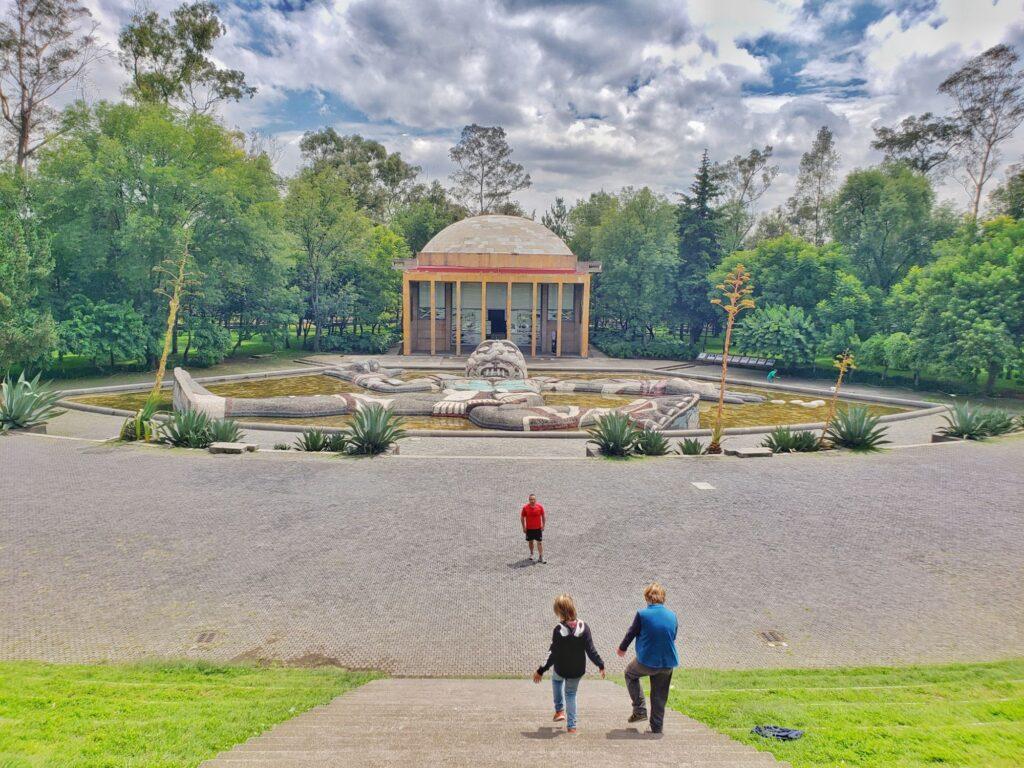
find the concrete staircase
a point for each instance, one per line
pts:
(482, 724)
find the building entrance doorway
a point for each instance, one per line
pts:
(497, 328)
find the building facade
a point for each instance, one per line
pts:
(496, 277)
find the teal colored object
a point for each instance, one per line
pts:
(772, 374)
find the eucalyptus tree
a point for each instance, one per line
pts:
(45, 46)
(925, 142)
(743, 180)
(988, 99)
(169, 60)
(486, 177)
(808, 207)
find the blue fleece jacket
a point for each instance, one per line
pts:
(654, 629)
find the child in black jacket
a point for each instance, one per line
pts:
(571, 644)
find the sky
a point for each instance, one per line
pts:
(594, 95)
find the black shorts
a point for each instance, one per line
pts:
(535, 534)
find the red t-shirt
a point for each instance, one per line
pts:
(533, 515)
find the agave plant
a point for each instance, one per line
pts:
(785, 440)
(650, 442)
(690, 446)
(187, 429)
(856, 428)
(311, 439)
(26, 403)
(967, 421)
(225, 431)
(141, 426)
(337, 442)
(614, 434)
(373, 430)
(999, 422)
(282, 447)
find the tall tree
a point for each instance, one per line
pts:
(924, 142)
(487, 178)
(380, 181)
(45, 45)
(323, 217)
(168, 59)
(27, 331)
(885, 221)
(699, 250)
(988, 97)
(744, 179)
(808, 206)
(1008, 198)
(428, 211)
(556, 218)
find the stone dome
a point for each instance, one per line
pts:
(494, 234)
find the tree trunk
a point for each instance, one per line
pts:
(994, 369)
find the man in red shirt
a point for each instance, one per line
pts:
(532, 518)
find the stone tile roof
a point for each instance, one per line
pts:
(497, 234)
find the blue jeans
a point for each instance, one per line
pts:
(570, 685)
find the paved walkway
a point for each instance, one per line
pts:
(130, 552)
(484, 724)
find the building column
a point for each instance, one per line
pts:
(585, 319)
(458, 317)
(533, 321)
(558, 341)
(483, 310)
(508, 311)
(406, 316)
(433, 322)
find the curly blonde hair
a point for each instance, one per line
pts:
(655, 593)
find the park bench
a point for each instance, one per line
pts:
(742, 361)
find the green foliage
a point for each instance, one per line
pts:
(789, 271)
(27, 403)
(650, 442)
(366, 343)
(784, 333)
(636, 243)
(848, 302)
(152, 714)
(141, 426)
(691, 446)
(311, 439)
(856, 428)
(885, 220)
(337, 442)
(614, 434)
(187, 429)
(209, 343)
(1008, 197)
(646, 348)
(103, 331)
(282, 447)
(964, 310)
(972, 422)
(700, 227)
(27, 331)
(419, 220)
(225, 431)
(373, 430)
(785, 440)
(840, 338)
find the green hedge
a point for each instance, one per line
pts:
(366, 343)
(643, 348)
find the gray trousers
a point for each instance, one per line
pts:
(661, 679)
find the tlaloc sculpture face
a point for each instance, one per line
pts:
(496, 359)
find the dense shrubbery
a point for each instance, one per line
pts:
(372, 431)
(646, 348)
(972, 422)
(365, 343)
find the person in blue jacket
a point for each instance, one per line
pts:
(654, 629)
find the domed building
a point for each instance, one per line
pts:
(496, 277)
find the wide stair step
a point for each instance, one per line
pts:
(482, 724)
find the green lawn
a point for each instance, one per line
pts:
(898, 717)
(148, 715)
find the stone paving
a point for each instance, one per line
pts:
(485, 724)
(415, 564)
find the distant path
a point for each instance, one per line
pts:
(414, 564)
(486, 724)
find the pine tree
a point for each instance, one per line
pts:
(699, 251)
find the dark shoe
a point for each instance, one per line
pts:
(637, 717)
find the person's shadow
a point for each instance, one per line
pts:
(624, 734)
(524, 563)
(543, 733)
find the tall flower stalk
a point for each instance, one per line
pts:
(844, 362)
(736, 290)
